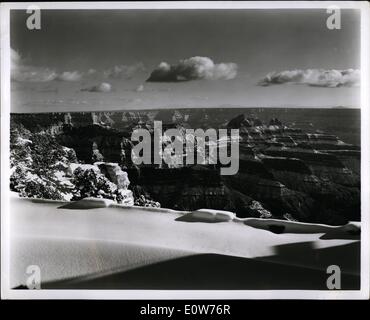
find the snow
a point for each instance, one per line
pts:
(89, 203)
(60, 164)
(300, 227)
(212, 215)
(84, 167)
(23, 141)
(31, 176)
(111, 239)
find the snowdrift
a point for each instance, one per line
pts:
(351, 230)
(208, 215)
(88, 203)
(281, 226)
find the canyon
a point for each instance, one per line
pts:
(291, 166)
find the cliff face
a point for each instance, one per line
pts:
(351, 159)
(196, 187)
(327, 166)
(275, 196)
(183, 188)
(299, 172)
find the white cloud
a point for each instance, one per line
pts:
(70, 76)
(102, 87)
(22, 72)
(314, 77)
(194, 68)
(140, 88)
(33, 74)
(15, 58)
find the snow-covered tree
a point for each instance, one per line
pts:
(36, 160)
(92, 183)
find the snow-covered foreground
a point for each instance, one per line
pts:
(119, 247)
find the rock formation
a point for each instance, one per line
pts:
(289, 166)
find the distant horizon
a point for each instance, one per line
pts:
(186, 108)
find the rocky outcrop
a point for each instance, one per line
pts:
(258, 211)
(114, 173)
(96, 155)
(239, 122)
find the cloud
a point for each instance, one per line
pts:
(70, 76)
(23, 72)
(314, 77)
(15, 58)
(26, 73)
(140, 88)
(102, 87)
(33, 74)
(124, 71)
(194, 68)
(91, 71)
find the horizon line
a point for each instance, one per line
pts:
(185, 108)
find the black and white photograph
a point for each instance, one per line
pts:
(189, 150)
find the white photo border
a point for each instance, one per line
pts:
(8, 293)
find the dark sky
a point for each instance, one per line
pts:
(257, 41)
